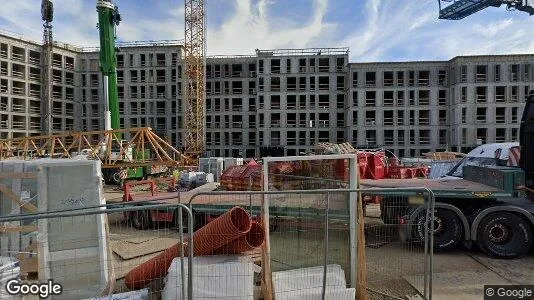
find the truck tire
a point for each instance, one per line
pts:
(504, 235)
(391, 208)
(140, 219)
(448, 229)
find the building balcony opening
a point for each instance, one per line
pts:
(424, 117)
(69, 109)
(481, 94)
(482, 135)
(424, 78)
(237, 70)
(57, 108)
(19, 122)
(160, 76)
(388, 118)
(69, 62)
(324, 65)
(389, 137)
(291, 102)
(18, 105)
(324, 83)
(481, 73)
(275, 84)
(292, 120)
(481, 115)
(500, 115)
(340, 84)
(160, 59)
(3, 50)
(35, 90)
(275, 66)
(237, 104)
(500, 135)
(35, 107)
(57, 60)
(275, 120)
(35, 123)
(442, 117)
(237, 87)
(56, 76)
(442, 78)
(69, 78)
(324, 102)
(18, 54)
(388, 78)
(18, 88)
(275, 102)
(424, 97)
(370, 98)
(18, 71)
(370, 79)
(370, 118)
(442, 97)
(400, 78)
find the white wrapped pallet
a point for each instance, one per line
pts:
(73, 251)
(227, 277)
(230, 161)
(216, 167)
(306, 283)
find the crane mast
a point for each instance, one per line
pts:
(195, 77)
(108, 17)
(47, 14)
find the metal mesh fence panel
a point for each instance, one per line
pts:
(89, 251)
(398, 253)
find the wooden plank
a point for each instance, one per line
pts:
(12, 229)
(130, 250)
(9, 194)
(18, 175)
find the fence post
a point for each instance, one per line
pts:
(353, 185)
(266, 249)
(325, 270)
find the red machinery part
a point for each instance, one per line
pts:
(226, 228)
(250, 241)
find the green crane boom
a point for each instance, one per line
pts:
(108, 18)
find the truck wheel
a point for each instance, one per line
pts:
(391, 209)
(140, 219)
(504, 235)
(447, 229)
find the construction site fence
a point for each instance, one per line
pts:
(90, 250)
(311, 242)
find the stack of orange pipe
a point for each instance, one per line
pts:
(231, 233)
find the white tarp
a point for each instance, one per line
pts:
(228, 277)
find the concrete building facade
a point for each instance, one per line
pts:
(276, 102)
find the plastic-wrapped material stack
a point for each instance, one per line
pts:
(230, 161)
(307, 283)
(134, 295)
(72, 250)
(9, 269)
(215, 277)
(212, 165)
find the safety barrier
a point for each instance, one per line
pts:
(86, 253)
(308, 244)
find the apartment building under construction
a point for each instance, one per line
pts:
(275, 102)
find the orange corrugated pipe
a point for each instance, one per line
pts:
(217, 233)
(250, 241)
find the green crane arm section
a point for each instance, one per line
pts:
(108, 17)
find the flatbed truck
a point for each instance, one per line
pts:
(491, 207)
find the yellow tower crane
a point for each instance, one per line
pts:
(195, 78)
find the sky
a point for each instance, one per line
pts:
(374, 30)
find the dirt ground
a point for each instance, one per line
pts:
(393, 268)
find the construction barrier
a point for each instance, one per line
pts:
(94, 265)
(309, 239)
